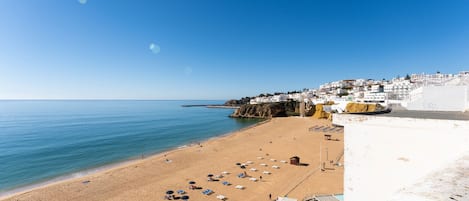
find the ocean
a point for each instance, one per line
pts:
(50, 140)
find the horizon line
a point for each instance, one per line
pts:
(105, 99)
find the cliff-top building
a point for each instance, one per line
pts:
(406, 156)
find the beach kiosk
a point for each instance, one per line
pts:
(295, 160)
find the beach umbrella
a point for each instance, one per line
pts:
(169, 192)
(192, 182)
(210, 175)
(185, 197)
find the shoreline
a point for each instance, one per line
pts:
(113, 165)
(143, 179)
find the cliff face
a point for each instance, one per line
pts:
(269, 110)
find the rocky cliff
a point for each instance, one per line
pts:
(269, 110)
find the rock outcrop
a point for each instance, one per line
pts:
(363, 107)
(269, 110)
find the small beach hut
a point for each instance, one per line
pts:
(295, 160)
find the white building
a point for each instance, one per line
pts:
(439, 98)
(259, 100)
(279, 98)
(406, 157)
(431, 79)
(398, 89)
(376, 88)
(341, 91)
(379, 97)
(360, 82)
(295, 96)
(448, 95)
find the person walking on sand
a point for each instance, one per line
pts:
(270, 196)
(260, 177)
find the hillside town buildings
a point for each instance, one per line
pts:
(405, 91)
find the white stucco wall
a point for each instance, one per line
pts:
(384, 155)
(441, 98)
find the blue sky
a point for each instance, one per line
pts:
(219, 49)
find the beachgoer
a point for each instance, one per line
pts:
(270, 196)
(260, 177)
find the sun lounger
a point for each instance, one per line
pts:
(273, 160)
(218, 176)
(241, 175)
(253, 169)
(275, 167)
(207, 192)
(263, 164)
(221, 197)
(266, 172)
(239, 187)
(249, 162)
(252, 179)
(226, 183)
(260, 157)
(225, 172)
(180, 192)
(283, 161)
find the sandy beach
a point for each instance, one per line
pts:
(279, 139)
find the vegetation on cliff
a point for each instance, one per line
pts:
(269, 110)
(235, 102)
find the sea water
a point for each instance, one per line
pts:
(43, 140)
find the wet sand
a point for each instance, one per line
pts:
(280, 139)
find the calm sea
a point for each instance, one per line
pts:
(43, 140)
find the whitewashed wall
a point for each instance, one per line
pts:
(441, 98)
(383, 155)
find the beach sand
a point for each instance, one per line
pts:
(279, 138)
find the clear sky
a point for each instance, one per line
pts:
(219, 49)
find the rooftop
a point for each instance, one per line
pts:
(428, 114)
(448, 183)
